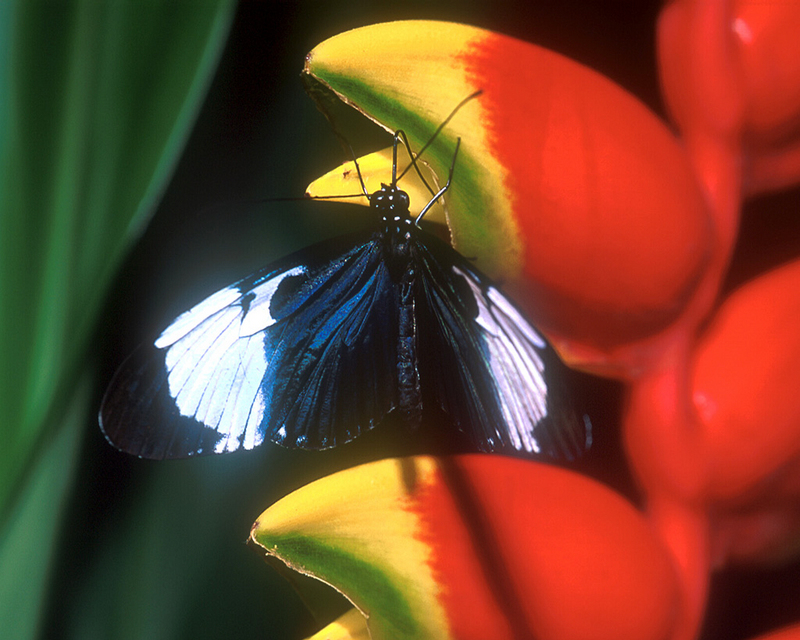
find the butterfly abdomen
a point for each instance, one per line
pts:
(409, 393)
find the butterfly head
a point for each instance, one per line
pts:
(392, 204)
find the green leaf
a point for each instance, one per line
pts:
(28, 540)
(96, 102)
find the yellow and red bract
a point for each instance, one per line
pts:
(477, 546)
(567, 187)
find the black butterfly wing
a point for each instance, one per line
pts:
(488, 368)
(303, 353)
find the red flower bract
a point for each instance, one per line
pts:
(616, 230)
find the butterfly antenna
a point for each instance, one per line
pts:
(323, 97)
(414, 164)
(441, 191)
(397, 135)
(358, 170)
(352, 153)
(457, 108)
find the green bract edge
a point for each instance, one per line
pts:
(367, 585)
(470, 212)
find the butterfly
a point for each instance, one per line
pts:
(320, 346)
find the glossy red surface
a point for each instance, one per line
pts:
(711, 421)
(616, 230)
(558, 555)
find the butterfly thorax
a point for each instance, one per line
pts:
(397, 226)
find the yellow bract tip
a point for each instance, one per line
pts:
(349, 626)
(376, 169)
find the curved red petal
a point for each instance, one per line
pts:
(617, 232)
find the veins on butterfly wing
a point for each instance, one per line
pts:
(247, 299)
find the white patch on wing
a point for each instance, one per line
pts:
(217, 381)
(246, 398)
(515, 363)
(215, 370)
(216, 361)
(194, 373)
(258, 316)
(502, 303)
(199, 313)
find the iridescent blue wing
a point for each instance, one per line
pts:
(303, 353)
(488, 368)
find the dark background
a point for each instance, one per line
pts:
(157, 549)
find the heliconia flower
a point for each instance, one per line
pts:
(477, 546)
(567, 188)
(713, 443)
(745, 382)
(720, 460)
(616, 236)
(731, 77)
(787, 633)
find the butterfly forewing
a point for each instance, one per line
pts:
(302, 353)
(492, 372)
(332, 366)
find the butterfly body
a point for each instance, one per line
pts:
(397, 230)
(320, 346)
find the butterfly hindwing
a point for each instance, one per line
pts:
(302, 353)
(493, 373)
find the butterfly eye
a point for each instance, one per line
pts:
(378, 198)
(400, 201)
